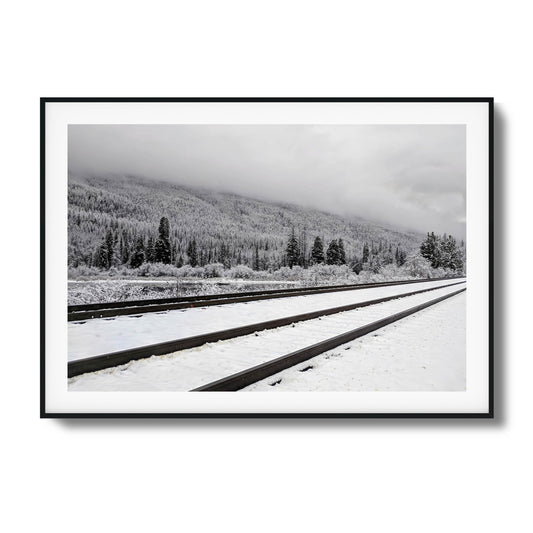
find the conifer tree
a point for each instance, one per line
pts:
(100, 259)
(110, 248)
(332, 254)
(224, 256)
(192, 252)
(366, 252)
(137, 257)
(430, 249)
(317, 253)
(293, 250)
(162, 245)
(302, 245)
(342, 253)
(400, 256)
(150, 254)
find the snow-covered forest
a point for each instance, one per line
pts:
(128, 228)
(115, 222)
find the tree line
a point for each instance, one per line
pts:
(442, 251)
(119, 248)
(373, 257)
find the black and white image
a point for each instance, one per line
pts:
(273, 258)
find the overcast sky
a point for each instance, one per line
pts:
(410, 176)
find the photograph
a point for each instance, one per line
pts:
(251, 250)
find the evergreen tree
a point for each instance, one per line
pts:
(162, 245)
(150, 250)
(192, 252)
(400, 256)
(332, 254)
(317, 253)
(342, 253)
(293, 250)
(110, 248)
(137, 257)
(100, 258)
(224, 256)
(450, 254)
(256, 258)
(366, 252)
(179, 262)
(124, 249)
(430, 249)
(302, 245)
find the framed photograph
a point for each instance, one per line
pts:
(266, 257)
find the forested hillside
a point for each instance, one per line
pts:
(113, 219)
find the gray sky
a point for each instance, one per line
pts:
(410, 176)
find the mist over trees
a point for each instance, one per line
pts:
(132, 222)
(118, 221)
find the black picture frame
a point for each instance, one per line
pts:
(156, 415)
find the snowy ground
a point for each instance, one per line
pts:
(188, 369)
(389, 359)
(104, 335)
(117, 290)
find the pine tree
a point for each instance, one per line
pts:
(150, 250)
(302, 245)
(256, 258)
(137, 257)
(293, 250)
(430, 249)
(192, 252)
(342, 253)
(224, 256)
(317, 253)
(162, 245)
(332, 254)
(100, 258)
(450, 254)
(110, 248)
(366, 252)
(400, 256)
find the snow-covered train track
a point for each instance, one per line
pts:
(108, 335)
(136, 307)
(206, 360)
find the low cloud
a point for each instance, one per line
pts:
(408, 176)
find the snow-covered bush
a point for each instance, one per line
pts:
(157, 270)
(214, 270)
(323, 272)
(241, 272)
(82, 271)
(293, 274)
(418, 267)
(185, 271)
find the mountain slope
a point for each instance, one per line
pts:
(131, 207)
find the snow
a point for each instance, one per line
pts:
(105, 335)
(117, 290)
(187, 369)
(388, 359)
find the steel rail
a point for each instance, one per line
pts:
(110, 309)
(252, 375)
(109, 360)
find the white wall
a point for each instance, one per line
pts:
(413, 476)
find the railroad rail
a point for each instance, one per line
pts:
(110, 309)
(109, 360)
(252, 375)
